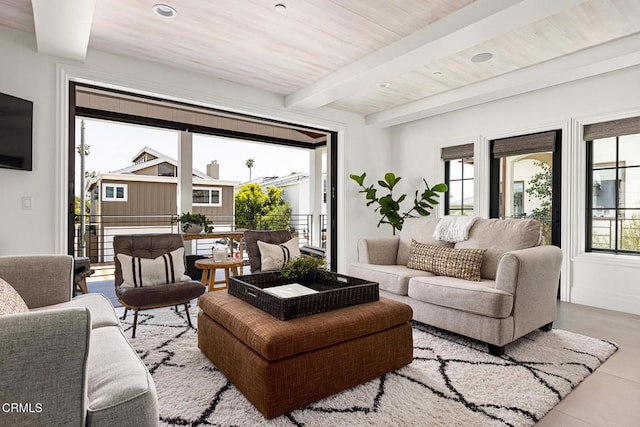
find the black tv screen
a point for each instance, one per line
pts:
(16, 118)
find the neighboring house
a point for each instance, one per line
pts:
(144, 196)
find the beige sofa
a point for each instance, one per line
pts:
(516, 294)
(66, 362)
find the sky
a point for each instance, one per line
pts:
(113, 146)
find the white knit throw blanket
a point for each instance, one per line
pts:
(454, 228)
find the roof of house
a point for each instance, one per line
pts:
(129, 173)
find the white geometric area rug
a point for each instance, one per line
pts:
(452, 381)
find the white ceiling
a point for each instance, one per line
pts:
(335, 52)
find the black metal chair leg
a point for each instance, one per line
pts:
(186, 310)
(124, 316)
(176, 307)
(135, 323)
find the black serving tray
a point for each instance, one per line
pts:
(334, 291)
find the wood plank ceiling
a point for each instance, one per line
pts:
(335, 52)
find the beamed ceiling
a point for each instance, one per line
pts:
(336, 53)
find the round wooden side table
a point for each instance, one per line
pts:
(209, 267)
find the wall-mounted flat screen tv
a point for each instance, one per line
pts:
(16, 119)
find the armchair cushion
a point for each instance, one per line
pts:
(460, 263)
(251, 238)
(139, 272)
(274, 257)
(10, 301)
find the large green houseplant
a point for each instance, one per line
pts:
(389, 208)
(193, 222)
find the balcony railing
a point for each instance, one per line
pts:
(604, 234)
(97, 242)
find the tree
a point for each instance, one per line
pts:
(77, 209)
(257, 210)
(539, 187)
(250, 163)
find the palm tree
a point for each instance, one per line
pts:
(250, 163)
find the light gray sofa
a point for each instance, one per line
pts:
(516, 295)
(67, 362)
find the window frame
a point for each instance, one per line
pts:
(620, 167)
(462, 179)
(210, 189)
(115, 186)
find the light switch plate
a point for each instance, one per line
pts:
(26, 203)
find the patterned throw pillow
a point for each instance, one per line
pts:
(274, 257)
(460, 263)
(10, 300)
(168, 268)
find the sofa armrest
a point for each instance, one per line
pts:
(43, 360)
(532, 275)
(378, 250)
(41, 280)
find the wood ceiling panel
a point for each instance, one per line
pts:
(578, 28)
(17, 14)
(250, 43)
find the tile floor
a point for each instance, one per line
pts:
(610, 397)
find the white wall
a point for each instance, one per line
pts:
(27, 74)
(600, 280)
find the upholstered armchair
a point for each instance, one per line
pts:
(150, 273)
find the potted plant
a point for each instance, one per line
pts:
(193, 222)
(389, 208)
(304, 268)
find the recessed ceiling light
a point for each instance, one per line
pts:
(481, 57)
(280, 7)
(383, 85)
(164, 10)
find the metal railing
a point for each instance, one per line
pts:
(603, 233)
(97, 241)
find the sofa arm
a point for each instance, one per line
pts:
(378, 250)
(43, 360)
(532, 275)
(41, 280)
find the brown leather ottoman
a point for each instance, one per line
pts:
(284, 365)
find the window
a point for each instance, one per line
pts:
(114, 192)
(203, 196)
(165, 169)
(613, 189)
(459, 177)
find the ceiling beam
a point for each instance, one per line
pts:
(63, 27)
(481, 21)
(604, 58)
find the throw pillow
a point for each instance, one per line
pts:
(461, 263)
(10, 300)
(168, 268)
(274, 257)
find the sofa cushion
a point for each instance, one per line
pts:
(167, 268)
(473, 297)
(274, 257)
(102, 312)
(10, 300)
(391, 278)
(420, 229)
(120, 390)
(499, 236)
(460, 263)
